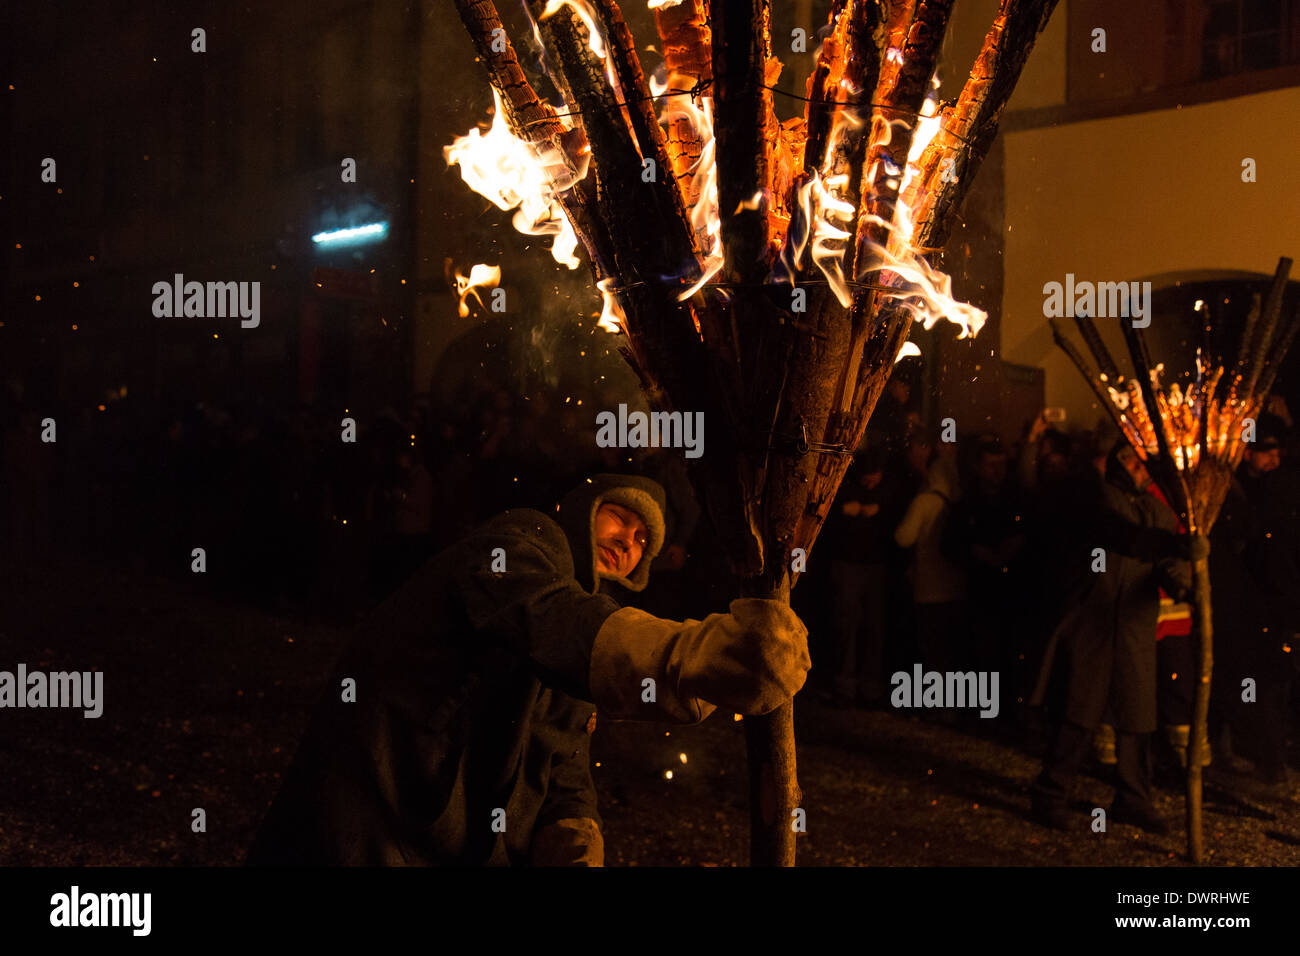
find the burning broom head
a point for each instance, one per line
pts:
(764, 272)
(1191, 436)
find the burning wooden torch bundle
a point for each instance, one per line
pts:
(766, 273)
(1192, 437)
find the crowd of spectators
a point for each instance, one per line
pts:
(972, 555)
(960, 555)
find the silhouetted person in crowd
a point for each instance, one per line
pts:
(893, 420)
(938, 585)
(986, 535)
(1053, 482)
(913, 466)
(1259, 592)
(1101, 659)
(1045, 457)
(856, 538)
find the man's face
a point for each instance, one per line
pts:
(621, 536)
(1262, 462)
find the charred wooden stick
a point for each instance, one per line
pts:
(525, 110)
(898, 21)
(688, 55)
(665, 246)
(1201, 706)
(915, 30)
(743, 117)
(742, 103)
(1089, 374)
(866, 50)
(686, 38)
(824, 84)
(969, 130)
(641, 111)
(1207, 360)
(1169, 477)
(1127, 425)
(1267, 324)
(533, 121)
(1207, 405)
(900, 93)
(1092, 338)
(1274, 364)
(1247, 339)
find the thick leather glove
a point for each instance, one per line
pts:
(573, 841)
(750, 661)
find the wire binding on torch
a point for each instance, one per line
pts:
(703, 85)
(853, 284)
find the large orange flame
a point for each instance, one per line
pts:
(923, 290)
(528, 178)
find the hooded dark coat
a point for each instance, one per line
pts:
(1100, 661)
(471, 698)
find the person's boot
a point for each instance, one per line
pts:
(1104, 742)
(1140, 815)
(1178, 735)
(1229, 759)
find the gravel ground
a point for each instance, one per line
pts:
(205, 700)
(881, 789)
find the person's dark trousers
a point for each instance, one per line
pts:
(1070, 748)
(1132, 770)
(943, 636)
(858, 594)
(1270, 723)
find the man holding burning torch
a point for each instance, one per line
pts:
(456, 731)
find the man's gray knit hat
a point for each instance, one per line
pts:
(577, 517)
